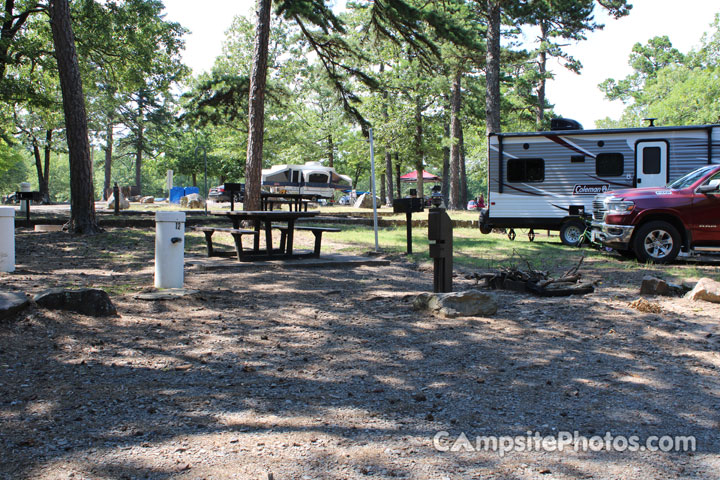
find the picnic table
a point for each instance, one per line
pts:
(295, 201)
(264, 221)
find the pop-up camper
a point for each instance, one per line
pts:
(311, 179)
(547, 180)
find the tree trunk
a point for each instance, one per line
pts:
(82, 197)
(446, 167)
(492, 75)
(194, 179)
(331, 151)
(388, 156)
(140, 148)
(542, 70)
(463, 173)
(38, 161)
(108, 160)
(397, 174)
(45, 185)
(419, 154)
(455, 202)
(382, 186)
(356, 177)
(256, 113)
(389, 178)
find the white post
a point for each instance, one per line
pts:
(7, 239)
(169, 182)
(169, 249)
(372, 183)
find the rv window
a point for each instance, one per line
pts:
(577, 159)
(651, 160)
(296, 176)
(317, 178)
(526, 170)
(609, 164)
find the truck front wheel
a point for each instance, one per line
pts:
(657, 242)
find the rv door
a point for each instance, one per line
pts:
(651, 159)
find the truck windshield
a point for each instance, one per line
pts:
(690, 178)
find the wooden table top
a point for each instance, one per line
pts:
(262, 214)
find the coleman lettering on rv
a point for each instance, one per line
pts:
(590, 189)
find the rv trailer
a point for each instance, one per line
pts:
(312, 180)
(547, 180)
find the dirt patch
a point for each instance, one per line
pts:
(325, 374)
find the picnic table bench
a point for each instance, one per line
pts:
(237, 234)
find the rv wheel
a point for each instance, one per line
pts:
(511, 234)
(571, 232)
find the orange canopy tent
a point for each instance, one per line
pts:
(427, 177)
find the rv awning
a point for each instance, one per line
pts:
(427, 177)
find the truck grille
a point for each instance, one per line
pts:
(598, 209)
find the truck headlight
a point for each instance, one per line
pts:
(619, 207)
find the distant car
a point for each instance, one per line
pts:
(9, 199)
(218, 194)
(472, 205)
(344, 200)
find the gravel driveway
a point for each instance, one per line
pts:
(329, 374)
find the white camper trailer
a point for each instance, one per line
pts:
(311, 180)
(547, 180)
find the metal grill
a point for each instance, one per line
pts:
(598, 209)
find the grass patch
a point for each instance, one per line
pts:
(472, 249)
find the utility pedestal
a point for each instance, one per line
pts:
(440, 238)
(169, 249)
(7, 239)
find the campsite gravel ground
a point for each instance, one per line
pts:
(329, 374)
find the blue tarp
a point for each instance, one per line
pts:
(189, 190)
(176, 193)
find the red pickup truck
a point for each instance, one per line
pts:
(656, 224)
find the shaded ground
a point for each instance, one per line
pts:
(326, 374)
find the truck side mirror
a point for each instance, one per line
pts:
(712, 187)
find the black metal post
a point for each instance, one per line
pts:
(440, 238)
(116, 196)
(408, 221)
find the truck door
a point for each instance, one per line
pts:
(705, 215)
(651, 164)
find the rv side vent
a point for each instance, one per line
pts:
(565, 124)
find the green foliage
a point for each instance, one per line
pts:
(675, 88)
(13, 168)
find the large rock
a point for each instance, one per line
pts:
(194, 200)
(657, 286)
(470, 303)
(706, 289)
(88, 301)
(364, 201)
(11, 303)
(124, 203)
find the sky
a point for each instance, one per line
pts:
(604, 54)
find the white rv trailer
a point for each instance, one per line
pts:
(547, 180)
(311, 180)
